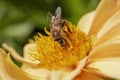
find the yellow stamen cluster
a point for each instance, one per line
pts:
(54, 56)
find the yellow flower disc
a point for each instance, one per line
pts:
(53, 56)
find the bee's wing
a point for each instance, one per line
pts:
(58, 13)
(49, 18)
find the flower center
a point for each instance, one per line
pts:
(71, 46)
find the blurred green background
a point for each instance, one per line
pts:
(22, 19)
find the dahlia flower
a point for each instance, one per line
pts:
(91, 50)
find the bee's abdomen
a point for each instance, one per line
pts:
(55, 33)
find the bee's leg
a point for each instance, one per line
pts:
(63, 22)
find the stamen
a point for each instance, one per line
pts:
(46, 31)
(54, 56)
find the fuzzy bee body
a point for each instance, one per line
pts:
(56, 25)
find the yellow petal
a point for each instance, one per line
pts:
(9, 71)
(86, 21)
(4, 75)
(109, 68)
(110, 29)
(26, 50)
(18, 57)
(67, 75)
(108, 50)
(112, 23)
(58, 75)
(104, 11)
(111, 37)
(41, 74)
(88, 76)
(27, 56)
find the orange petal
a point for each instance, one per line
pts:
(104, 11)
(86, 21)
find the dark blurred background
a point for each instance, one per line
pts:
(22, 19)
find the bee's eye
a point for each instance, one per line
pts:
(61, 41)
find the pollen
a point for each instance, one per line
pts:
(53, 56)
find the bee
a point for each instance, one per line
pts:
(56, 25)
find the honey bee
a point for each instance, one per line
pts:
(56, 24)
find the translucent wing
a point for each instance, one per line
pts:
(58, 13)
(49, 18)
